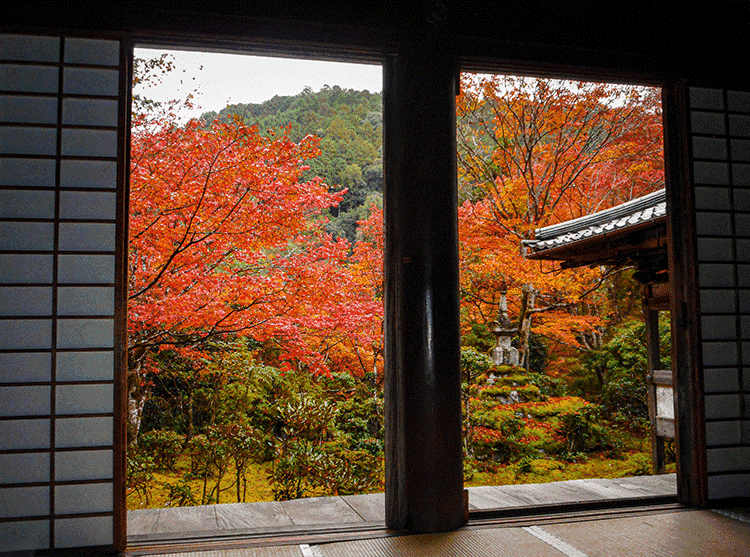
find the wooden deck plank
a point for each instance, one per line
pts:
(370, 507)
(600, 491)
(320, 510)
(548, 494)
(187, 519)
(491, 497)
(143, 521)
(638, 486)
(663, 484)
(265, 514)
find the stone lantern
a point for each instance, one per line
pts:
(503, 353)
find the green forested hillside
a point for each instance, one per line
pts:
(349, 124)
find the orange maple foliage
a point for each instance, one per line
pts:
(217, 218)
(534, 152)
(337, 316)
(225, 239)
(350, 338)
(367, 271)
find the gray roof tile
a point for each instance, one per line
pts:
(637, 211)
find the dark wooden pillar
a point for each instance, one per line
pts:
(690, 442)
(424, 480)
(653, 356)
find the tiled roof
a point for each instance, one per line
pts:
(637, 211)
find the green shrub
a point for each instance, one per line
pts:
(479, 338)
(526, 393)
(493, 416)
(140, 473)
(511, 378)
(163, 445)
(641, 465)
(573, 457)
(529, 393)
(244, 446)
(469, 390)
(495, 392)
(615, 375)
(548, 386)
(209, 458)
(290, 474)
(625, 399)
(552, 408)
(361, 422)
(524, 466)
(338, 382)
(506, 371)
(370, 445)
(501, 443)
(198, 449)
(470, 469)
(308, 418)
(306, 424)
(302, 471)
(180, 494)
(582, 430)
(474, 364)
(346, 472)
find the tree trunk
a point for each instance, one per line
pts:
(190, 430)
(524, 333)
(137, 395)
(136, 402)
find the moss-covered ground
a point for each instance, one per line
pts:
(539, 468)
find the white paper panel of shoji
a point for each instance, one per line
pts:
(85, 301)
(59, 142)
(29, 76)
(720, 144)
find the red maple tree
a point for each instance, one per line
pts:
(225, 239)
(534, 152)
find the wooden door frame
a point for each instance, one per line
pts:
(690, 442)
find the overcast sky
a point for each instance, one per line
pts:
(222, 79)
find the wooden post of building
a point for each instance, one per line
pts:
(424, 480)
(651, 316)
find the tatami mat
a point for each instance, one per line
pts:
(683, 534)
(500, 542)
(276, 551)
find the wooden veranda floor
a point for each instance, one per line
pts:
(654, 533)
(152, 527)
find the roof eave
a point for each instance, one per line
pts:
(608, 247)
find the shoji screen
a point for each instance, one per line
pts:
(720, 143)
(60, 108)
